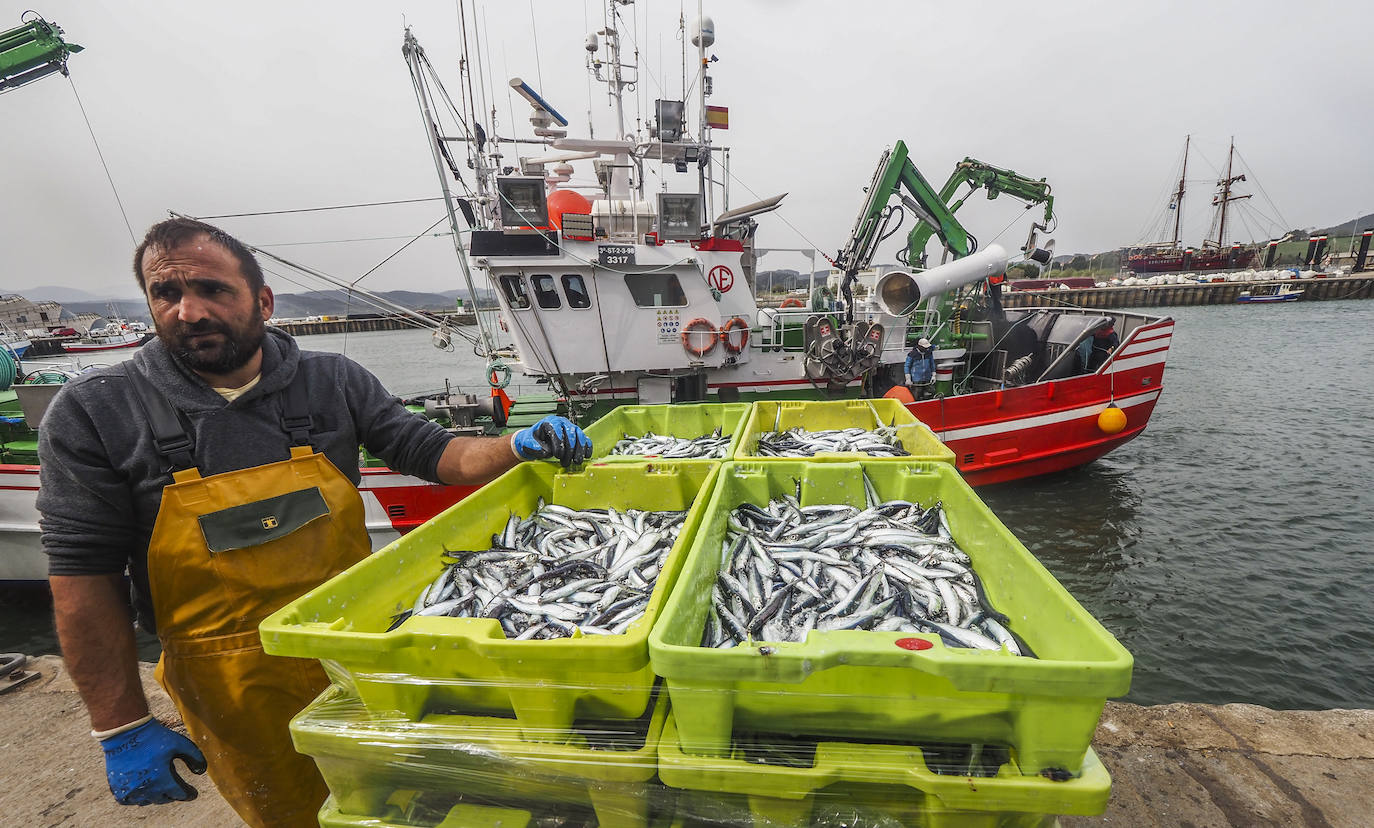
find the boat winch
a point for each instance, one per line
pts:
(838, 355)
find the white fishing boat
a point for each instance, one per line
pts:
(118, 333)
(15, 342)
(614, 293)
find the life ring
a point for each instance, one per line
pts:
(792, 302)
(498, 374)
(699, 327)
(735, 324)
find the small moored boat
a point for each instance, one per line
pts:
(1275, 292)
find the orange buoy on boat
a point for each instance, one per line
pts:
(1111, 420)
(566, 201)
(901, 394)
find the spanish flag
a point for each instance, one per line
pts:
(718, 117)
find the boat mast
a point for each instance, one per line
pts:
(415, 56)
(1178, 196)
(616, 85)
(704, 131)
(1225, 197)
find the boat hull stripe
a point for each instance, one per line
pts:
(1023, 423)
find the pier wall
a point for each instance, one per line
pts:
(379, 323)
(1207, 293)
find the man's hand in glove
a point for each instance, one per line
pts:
(138, 763)
(553, 438)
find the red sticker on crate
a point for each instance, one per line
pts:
(914, 644)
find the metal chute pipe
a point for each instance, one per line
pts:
(901, 293)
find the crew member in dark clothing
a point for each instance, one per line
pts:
(1104, 340)
(920, 368)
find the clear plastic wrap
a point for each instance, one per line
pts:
(457, 770)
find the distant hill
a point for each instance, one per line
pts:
(65, 295)
(787, 279)
(292, 305)
(1358, 225)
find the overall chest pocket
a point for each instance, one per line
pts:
(263, 521)
(271, 551)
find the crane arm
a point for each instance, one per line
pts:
(896, 175)
(31, 51)
(996, 181)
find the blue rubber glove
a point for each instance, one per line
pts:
(554, 438)
(138, 764)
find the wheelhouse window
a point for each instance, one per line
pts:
(514, 288)
(546, 292)
(576, 290)
(656, 290)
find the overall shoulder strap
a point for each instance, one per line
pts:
(170, 437)
(295, 414)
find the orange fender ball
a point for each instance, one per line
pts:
(900, 392)
(1111, 420)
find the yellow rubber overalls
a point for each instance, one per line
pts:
(227, 551)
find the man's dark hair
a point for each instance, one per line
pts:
(172, 233)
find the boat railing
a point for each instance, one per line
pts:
(783, 329)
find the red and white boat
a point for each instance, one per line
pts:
(114, 336)
(1028, 430)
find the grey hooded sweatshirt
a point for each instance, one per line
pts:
(101, 478)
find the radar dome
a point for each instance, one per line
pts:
(704, 32)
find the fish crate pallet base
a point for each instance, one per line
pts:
(1205, 293)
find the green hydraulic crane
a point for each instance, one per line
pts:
(32, 50)
(996, 181)
(933, 211)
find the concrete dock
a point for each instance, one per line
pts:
(1360, 286)
(1194, 765)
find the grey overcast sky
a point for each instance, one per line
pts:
(213, 108)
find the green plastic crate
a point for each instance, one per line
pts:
(888, 784)
(858, 683)
(432, 664)
(461, 815)
(372, 763)
(685, 420)
(914, 435)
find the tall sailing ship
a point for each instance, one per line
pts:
(1172, 257)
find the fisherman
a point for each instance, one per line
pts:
(920, 368)
(275, 431)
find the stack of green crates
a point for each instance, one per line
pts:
(445, 722)
(914, 436)
(858, 687)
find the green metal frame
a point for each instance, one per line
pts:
(31, 51)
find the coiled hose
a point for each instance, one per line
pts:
(9, 368)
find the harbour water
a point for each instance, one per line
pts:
(1228, 547)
